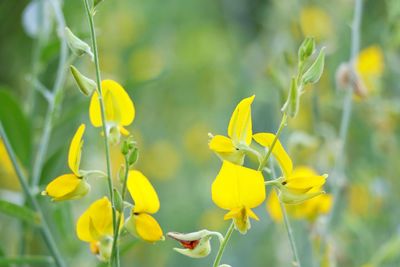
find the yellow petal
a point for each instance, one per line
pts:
(62, 186)
(274, 207)
(221, 144)
(96, 221)
(266, 139)
(240, 125)
(119, 106)
(143, 193)
(304, 182)
(237, 187)
(147, 228)
(74, 154)
(370, 61)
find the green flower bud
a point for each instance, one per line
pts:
(125, 148)
(133, 157)
(314, 72)
(119, 204)
(306, 49)
(85, 85)
(77, 46)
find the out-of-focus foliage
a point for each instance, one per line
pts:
(186, 64)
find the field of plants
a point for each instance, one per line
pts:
(200, 133)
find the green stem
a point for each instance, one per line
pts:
(55, 100)
(289, 231)
(338, 169)
(278, 133)
(89, 13)
(115, 248)
(44, 228)
(223, 245)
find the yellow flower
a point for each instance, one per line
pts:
(73, 185)
(95, 226)
(238, 189)
(315, 22)
(309, 209)
(141, 223)
(370, 66)
(296, 185)
(119, 108)
(239, 132)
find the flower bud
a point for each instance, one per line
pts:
(306, 49)
(77, 46)
(124, 148)
(58, 190)
(85, 85)
(119, 204)
(314, 72)
(133, 157)
(196, 244)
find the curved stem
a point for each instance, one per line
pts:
(264, 161)
(44, 228)
(89, 13)
(223, 245)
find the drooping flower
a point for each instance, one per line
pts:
(141, 223)
(238, 189)
(95, 226)
(119, 108)
(295, 186)
(309, 209)
(72, 185)
(196, 244)
(239, 134)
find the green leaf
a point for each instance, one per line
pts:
(313, 74)
(19, 212)
(31, 260)
(16, 125)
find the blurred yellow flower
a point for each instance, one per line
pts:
(141, 223)
(146, 64)
(315, 22)
(70, 186)
(119, 107)
(7, 169)
(239, 132)
(370, 67)
(238, 189)
(95, 226)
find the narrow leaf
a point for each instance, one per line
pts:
(313, 74)
(19, 212)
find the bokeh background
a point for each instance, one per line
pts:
(186, 64)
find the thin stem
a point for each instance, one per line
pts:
(90, 13)
(278, 133)
(44, 228)
(115, 248)
(338, 168)
(223, 245)
(286, 221)
(55, 100)
(289, 231)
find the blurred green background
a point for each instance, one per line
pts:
(186, 64)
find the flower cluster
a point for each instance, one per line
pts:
(112, 109)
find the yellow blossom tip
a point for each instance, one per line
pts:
(43, 193)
